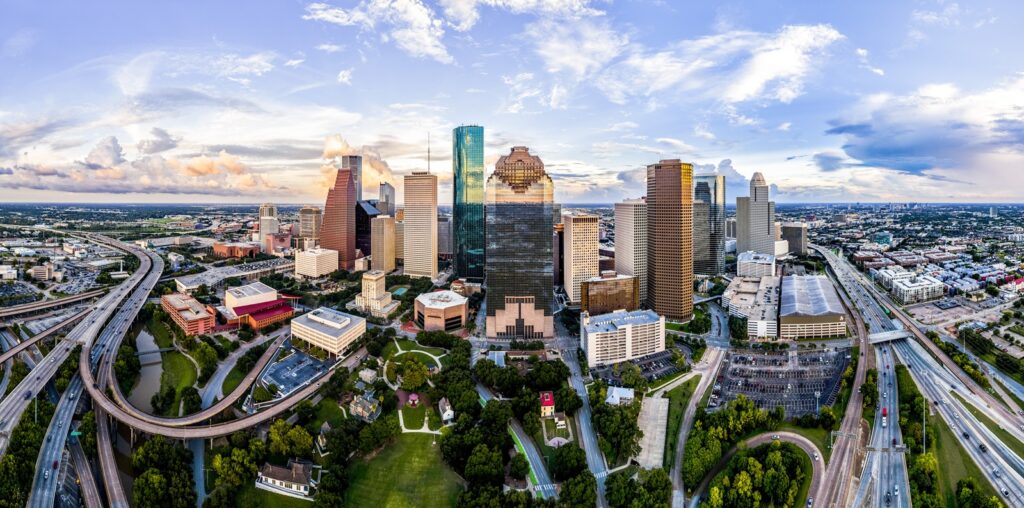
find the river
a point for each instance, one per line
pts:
(149, 377)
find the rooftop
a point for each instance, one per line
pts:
(809, 295)
(296, 472)
(618, 319)
(328, 321)
(755, 257)
(441, 299)
(256, 288)
(187, 307)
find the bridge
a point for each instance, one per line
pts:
(29, 308)
(881, 337)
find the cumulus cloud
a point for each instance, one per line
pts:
(375, 168)
(413, 26)
(345, 76)
(161, 141)
(107, 153)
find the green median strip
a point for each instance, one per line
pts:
(522, 450)
(1003, 434)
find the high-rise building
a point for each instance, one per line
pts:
(338, 229)
(581, 239)
(755, 219)
(708, 224)
(519, 268)
(670, 239)
(421, 225)
(631, 241)
(444, 237)
(558, 251)
(795, 233)
(382, 236)
(268, 221)
(609, 292)
(730, 227)
(386, 199)
(399, 240)
(365, 212)
(309, 223)
(468, 202)
(355, 164)
(315, 263)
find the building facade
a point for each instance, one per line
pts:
(581, 252)
(621, 336)
(810, 308)
(191, 316)
(631, 242)
(795, 234)
(754, 264)
(353, 163)
(338, 229)
(441, 310)
(382, 236)
(609, 292)
(468, 202)
(919, 288)
(366, 211)
(670, 239)
(375, 299)
(420, 252)
(386, 199)
(755, 219)
(268, 221)
(444, 237)
(328, 329)
(399, 241)
(315, 263)
(708, 224)
(519, 198)
(309, 223)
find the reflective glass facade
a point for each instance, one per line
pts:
(708, 224)
(468, 202)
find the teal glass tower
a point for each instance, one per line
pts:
(468, 204)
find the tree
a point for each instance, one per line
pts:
(278, 437)
(235, 469)
(519, 467)
(620, 489)
(567, 400)
(484, 466)
(306, 411)
(300, 442)
(88, 431)
(580, 490)
(150, 489)
(632, 377)
(567, 461)
(191, 399)
(414, 374)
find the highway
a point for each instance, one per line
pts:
(885, 480)
(25, 344)
(45, 485)
(48, 304)
(87, 480)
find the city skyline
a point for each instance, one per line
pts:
(866, 103)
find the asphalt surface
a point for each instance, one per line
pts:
(887, 483)
(25, 344)
(533, 455)
(708, 367)
(47, 304)
(87, 480)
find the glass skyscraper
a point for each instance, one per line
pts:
(708, 224)
(468, 202)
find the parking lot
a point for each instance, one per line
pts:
(17, 293)
(789, 379)
(652, 367)
(294, 370)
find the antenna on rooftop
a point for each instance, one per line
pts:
(428, 151)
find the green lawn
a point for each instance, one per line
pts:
(666, 380)
(955, 463)
(678, 397)
(232, 380)
(1004, 436)
(433, 419)
(553, 431)
(178, 372)
(423, 358)
(408, 345)
(408, 473)
(413, 416)
(249, 495)
(817, 435)
(328, 411)
(161, 335)
(389, 350)
(1016, 399)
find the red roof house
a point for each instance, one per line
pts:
(547, 404)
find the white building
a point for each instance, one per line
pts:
(581, 253)
(296, 480)
(175, 260)
(257, 292)
(754, 264)
(757, 299)
(631, 241)
(8, 272)
(421, 225)
(755, 219)
(620, 336)
(328, 329)
(315, 263)
(268, 222)
(886, 276)
(920, 288)
(375, 299)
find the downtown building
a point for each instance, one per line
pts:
(708, 224)
(621, 336)
(670, 239)
(269, 224)
(315, 263)
(755, 219)
(386, 199)
(420, 252)
(631, 242)
(382, 237)
(581, 231)
(795, 235)
(310, 218)
(519, 268)
(338, 229)
(468, 202)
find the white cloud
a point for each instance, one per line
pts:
(329, 48)
(701, 131)
(577, 48)
(107, 153)
(295, 62)
(413, 26)
(784, 126)
(161, 141)
(18, 44)
(778, 65)
(463, 14)
(345, 76)
(862, 55)
(556, 100)
(622, 126)
(677, 145)
(521, 87)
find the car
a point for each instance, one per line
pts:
(49, 437)
(996, 473)
(28, 394)
(46, 475)
(55, 464)
(982, 447)
(776, 436)
(815, 455)
(894, 441)
(1006, 493)
(896, 489)
(810, 501)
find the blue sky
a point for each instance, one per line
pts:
(240, 101)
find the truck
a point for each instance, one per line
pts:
(885, 412)
(885, 417)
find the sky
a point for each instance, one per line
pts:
(240, 102)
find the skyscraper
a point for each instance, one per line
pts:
(338, 229)
(631, 241)
(444, 237)
(670, 239)
(421, 225)
(309, 223)
(708, 224)
(365, 212)
(519, 268)
(382, 237)
(468, 202)
(354, 163)
(795, 234)
(268, 221)
(581, 239)
(755, 219)
(386, 199)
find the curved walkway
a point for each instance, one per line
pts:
(817, 466)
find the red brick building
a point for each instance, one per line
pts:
(338, 228)
(186, 312)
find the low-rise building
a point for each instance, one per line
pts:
(249, 294)
(328, 329)
(920, 288)
(236, 249)
(374, 299)
(444, 408)
(757, 300)
(296, 480)
(441, 310)
(8, 272)
(365, 407)
(620, 336)
(810, 308)
(191, 316)
(175, 260)
(547, 404)
(315, 263)
(619, 396)
(754, 264)
(42, 272)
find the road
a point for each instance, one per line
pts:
(87, 481)
(709, 368)
(25, 344)
(45, 485)
(887, 481)
(533, 455)
(48, 304)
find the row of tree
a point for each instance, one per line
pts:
(768, 475)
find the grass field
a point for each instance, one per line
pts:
(1004, 436)
(409, 345)
(553, 431)
(406, 474)
(423, 358)
(433, 419)
(955, 464)
(328, 411)
(232, 380)
(249, 495)
(678, 397)
(161, 335)
(818, 436)
(1016, 399)
(413, 416)
(179, 372)
(805, 464)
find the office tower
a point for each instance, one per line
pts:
(730, 227)
(386, 199)
(795, 233)
(421, 225)
(365, 212)
(355, 164)
(708, 224)
(309, 223)
(558, 252)
(268, 221)
(338, 229)
(755, 219)
(382, 237)
(444, 237)
(580, 251)
(518, 270)
(315, 263)
(399, 241)
(609, 292)
(631, 242)
(468, 202)
(670, 239)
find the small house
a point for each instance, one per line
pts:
(547, 404)
(445, 409)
